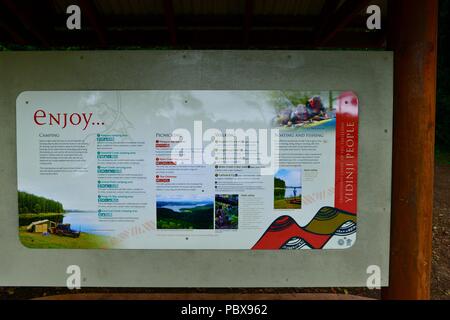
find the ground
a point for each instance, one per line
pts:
(440, 282)
(37, 240)
(440, 274)
(288, 203)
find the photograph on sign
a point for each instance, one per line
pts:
(188, 169)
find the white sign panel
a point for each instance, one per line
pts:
(187, 169)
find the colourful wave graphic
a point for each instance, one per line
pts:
(285, 233)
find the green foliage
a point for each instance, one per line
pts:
(287, 204)
(234, 220)
(280, 188)
(280, 98)
(168, 223)
(37, 208)
(85, 241)
(297, 97)
(227, 212)
(279, 183)
(26, 218)
(17, 47)
(290, 98)
(442, 157)
(201, 217)
(36, 204)
(286, 99)
(443, 77)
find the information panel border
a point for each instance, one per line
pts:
(369, 74)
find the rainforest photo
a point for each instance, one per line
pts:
(227, 209)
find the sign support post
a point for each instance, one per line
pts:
(414, 41)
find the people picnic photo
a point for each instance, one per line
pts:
(288, 188)
(226, 211)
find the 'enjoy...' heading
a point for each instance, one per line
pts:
(41, 117)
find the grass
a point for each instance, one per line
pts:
(199, 217)
(40, 215)
(85, 241)
(173, 224)
(27, 218)
(286, 204)
(231, 214)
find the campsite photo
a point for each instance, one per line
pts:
(44, 223)
(185, 213)
(226, 211)
(288, 189)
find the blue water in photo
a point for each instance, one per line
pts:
(86, 221)
(177, 206)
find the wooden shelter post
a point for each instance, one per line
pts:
(414, 41)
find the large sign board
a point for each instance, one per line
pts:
(271, 169)
(96, 156)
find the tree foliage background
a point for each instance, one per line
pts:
(443, 90)
(30, 203)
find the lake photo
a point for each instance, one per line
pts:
(45, 223)
(288, 188)
(184, 213)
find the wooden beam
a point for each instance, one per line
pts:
(203, 296)
(249, 5)
(221, 22)
(25, 20)
(341, 18)
(414, 40)
(225, 38)
(45, 18)
(89, 10)
(357, 40)
(328, 9)
(11, 32)
(13, 35)
(170, 21)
